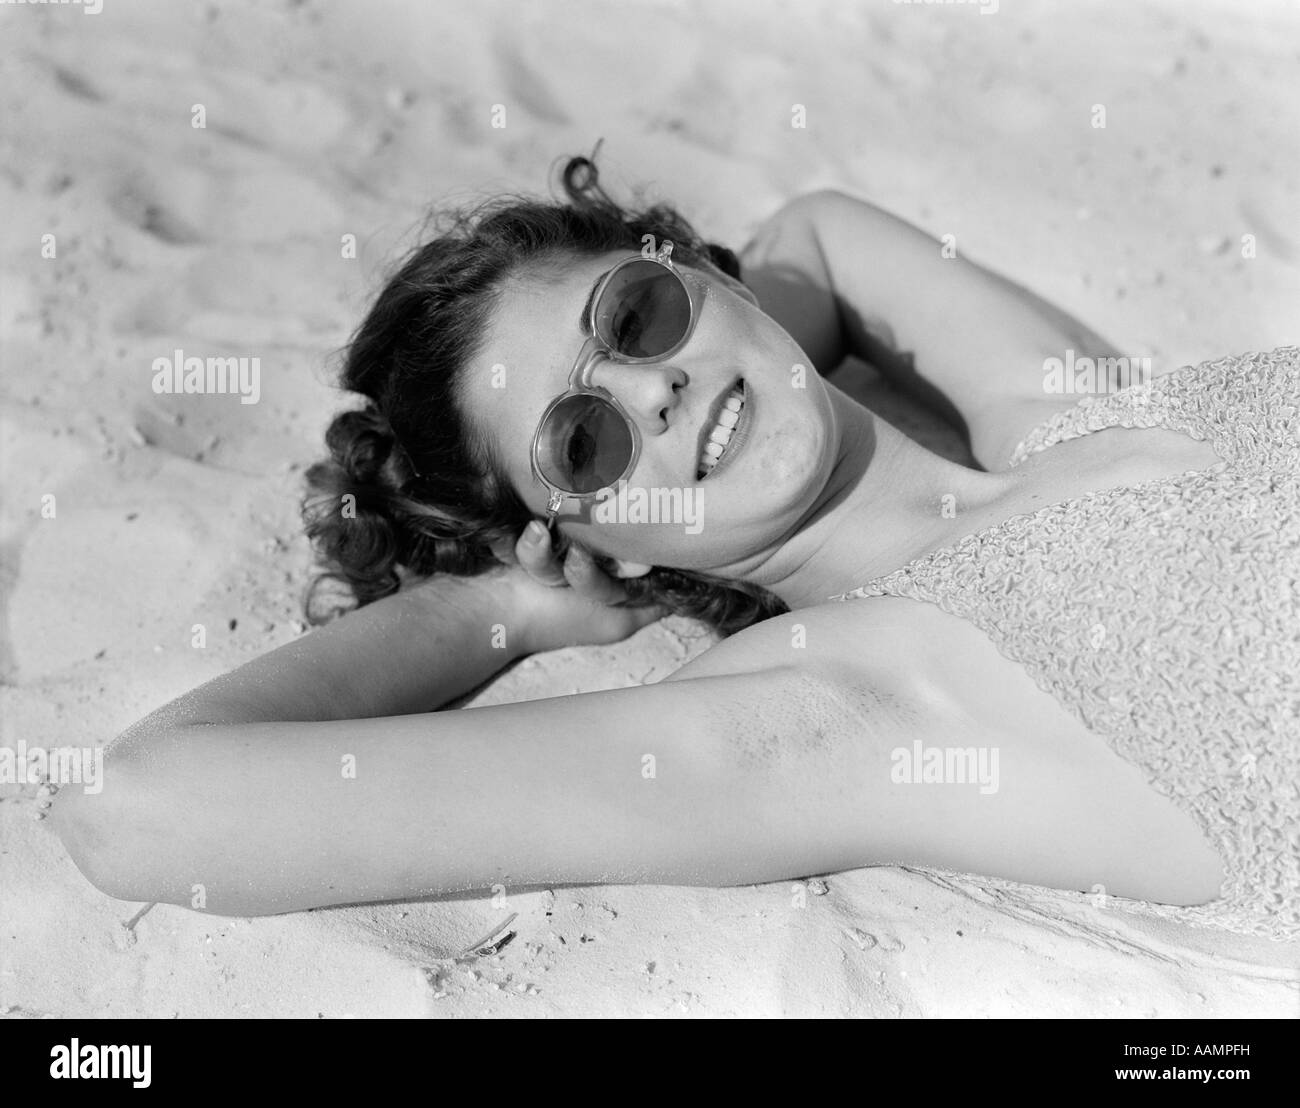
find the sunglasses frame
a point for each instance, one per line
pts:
(596, 348)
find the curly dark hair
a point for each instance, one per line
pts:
(409, 488)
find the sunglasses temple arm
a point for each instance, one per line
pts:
(553, 504)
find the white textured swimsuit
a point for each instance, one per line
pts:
(1166, 616)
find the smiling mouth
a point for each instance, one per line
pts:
(717, 438)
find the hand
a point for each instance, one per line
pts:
(569, 604)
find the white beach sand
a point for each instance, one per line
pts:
(327, 119)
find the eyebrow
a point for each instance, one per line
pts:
(586, 308)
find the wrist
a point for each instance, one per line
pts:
(512, 610)
(491, 609)
(522, 617)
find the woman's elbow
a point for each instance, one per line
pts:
(96, 829)
(823, 204)
(143, 837)
(117, 837)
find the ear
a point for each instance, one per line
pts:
(630, 569)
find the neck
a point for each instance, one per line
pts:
(883, 505)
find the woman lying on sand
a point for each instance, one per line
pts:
(1077, 667)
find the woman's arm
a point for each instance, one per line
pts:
(725, 778)
(418, 649)
(844, 277)
(749, 764)
(413, 651)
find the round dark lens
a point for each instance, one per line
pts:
(644, 311)
(585, 444)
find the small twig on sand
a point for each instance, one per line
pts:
(493, 940)
(130, 924)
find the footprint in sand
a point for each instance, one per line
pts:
(135, 203)
(527, 89)
(283, 115)
(76, 85)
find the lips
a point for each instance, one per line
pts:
(716, 438)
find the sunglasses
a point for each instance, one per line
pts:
(643, 310)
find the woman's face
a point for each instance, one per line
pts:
(771, 472)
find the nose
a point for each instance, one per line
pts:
(647, 392)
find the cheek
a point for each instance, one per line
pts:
(791, 445)
(788, 455)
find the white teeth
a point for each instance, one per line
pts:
(722, 431)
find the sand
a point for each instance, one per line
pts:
(326, 120)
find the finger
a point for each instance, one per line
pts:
(503, 549)
(535, 555)
(650, 614)
(587, 578)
